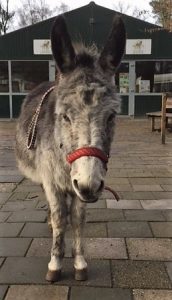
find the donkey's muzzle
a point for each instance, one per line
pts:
(87, 194)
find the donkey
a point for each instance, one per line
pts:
(64, 134)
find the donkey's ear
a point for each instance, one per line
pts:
(114, 48)
(61, 44)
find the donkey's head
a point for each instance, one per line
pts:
(86, 106)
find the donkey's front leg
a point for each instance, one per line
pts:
(58, 210)
(77, 222)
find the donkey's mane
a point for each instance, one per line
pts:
(86, 56)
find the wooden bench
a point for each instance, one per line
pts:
(164, 115)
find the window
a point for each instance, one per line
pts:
(153, 76)
(28, 74)
(4, 81)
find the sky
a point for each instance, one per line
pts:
(72, 4)
(142, 4)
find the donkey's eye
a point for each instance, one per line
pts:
(111, 117)
(66, 118)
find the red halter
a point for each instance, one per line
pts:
(91, 151)
(87, 151)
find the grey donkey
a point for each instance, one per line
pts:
(72, 135)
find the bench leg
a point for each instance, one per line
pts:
(152, 124)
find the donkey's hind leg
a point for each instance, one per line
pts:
(77, 221)
(58, 210)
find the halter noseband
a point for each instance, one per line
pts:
(87, 151)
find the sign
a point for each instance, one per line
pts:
(42, 47)
(139, 46)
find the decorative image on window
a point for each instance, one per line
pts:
(122, 79)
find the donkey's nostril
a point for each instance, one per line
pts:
(101, 186)
(75, 183)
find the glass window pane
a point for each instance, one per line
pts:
(4, 106)
(28, 74)
(153, 76)
(4, 82)
(163, 76)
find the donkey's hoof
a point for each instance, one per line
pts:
(53, 276)
(81, 275)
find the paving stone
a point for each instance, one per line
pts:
(157, 204)
(137, 195)
(25, 292)
(29, 182)
(18, 196)
(91, 230)
(117, 180)
(41, 247)
(36, 196)
(7, 187)
(11, 178)
(1, 260)
(150, 249)
(164, 180)
(167, 187)
(4, 197)
(104, 215)
(120, 187)
(19, 205)
(140, 274)
(152, 295)
(99, 274)
(168, 215)
(10, 230)
(107, 248)
(161, 229)
(129, 229)
(20, 270)
(3, 290)
(32, 270)
(28, 216)
(144, 215)
(35, 230)
(28, 188)
(146, 187)
(123, 204)
(144, 181)
(169, 269)
(98, 204)
(162, 195)
(91, 293)
(14, 246)
(4, 216)
(102, 248)
(43, 205)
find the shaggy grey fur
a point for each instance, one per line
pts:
(80, 111)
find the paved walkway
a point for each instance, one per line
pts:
(128, 244)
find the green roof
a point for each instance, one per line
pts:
(90, 23)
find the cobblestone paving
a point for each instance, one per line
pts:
(128, 244)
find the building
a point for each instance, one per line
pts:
(145, 72)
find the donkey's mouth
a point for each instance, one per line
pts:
(86, 194)
(90, 200)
